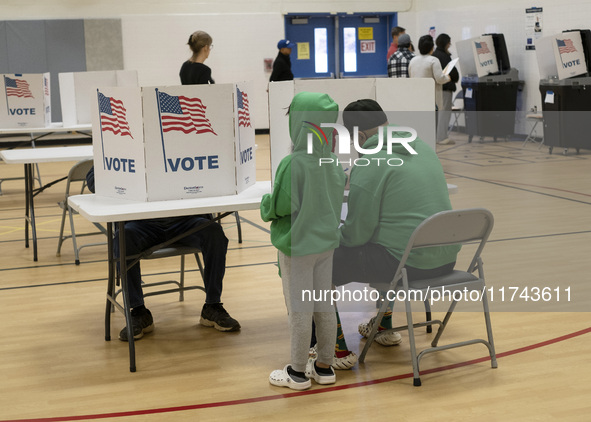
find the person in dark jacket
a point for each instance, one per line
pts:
(443, 42)
(282, 63)
(194, 71)
(141, 235)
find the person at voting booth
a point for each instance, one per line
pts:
(385, 205)
(305, 209)
(282, 64)
(427, 66)
(443, 42)
(143, 234)
(194, 71)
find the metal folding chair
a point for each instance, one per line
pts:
(77, 174)
(457, 108)
(444, 228)
(536, 118)
(169, 251)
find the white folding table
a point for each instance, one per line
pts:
(36, 133)
(101, 209)
(31, 156)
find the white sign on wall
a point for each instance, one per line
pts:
(367, 46)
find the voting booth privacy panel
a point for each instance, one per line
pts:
(561, 56)
(489, 85)
(406, 102)
(26, 100)
(173, 142)
(565, 88)
(77, 90)
(477, 56)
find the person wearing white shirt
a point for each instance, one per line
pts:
(427, 66)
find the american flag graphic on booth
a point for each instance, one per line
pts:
(17, 88)
(243, 109)
(566, 46)
(113, 116)
(184, 114)
(482, 48)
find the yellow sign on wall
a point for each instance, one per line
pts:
(366, 33)
(303, 51)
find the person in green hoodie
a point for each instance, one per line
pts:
(305, 209)
(385, 204)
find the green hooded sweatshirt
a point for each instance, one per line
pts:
(386, 203)
(305, 206)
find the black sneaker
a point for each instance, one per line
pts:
(142, 322)
(214, 315)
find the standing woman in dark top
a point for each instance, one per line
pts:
(193, 71)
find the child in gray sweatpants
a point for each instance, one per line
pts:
(305, 209)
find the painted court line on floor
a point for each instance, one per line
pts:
(300, 393)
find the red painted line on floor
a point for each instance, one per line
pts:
(538, 186)
(301, 393)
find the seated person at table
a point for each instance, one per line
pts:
(386, 203)
(143, 234)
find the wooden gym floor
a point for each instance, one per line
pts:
(55, 364)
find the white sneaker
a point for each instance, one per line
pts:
(385, 338)
(446, 141)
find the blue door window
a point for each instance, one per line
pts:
(341, 45)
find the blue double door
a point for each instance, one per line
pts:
(340, 45)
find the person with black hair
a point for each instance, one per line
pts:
(427, 66)
(385, 204)
(443, 42)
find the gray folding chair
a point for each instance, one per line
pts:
(444, 228)
(457, 108)
(77, 174)
(169, 251)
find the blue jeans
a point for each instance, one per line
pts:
(143, 234)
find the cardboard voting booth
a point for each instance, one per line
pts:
(77, 90)
(173, 142)
(407, 102)
(561, 56)
(477, 56)
(26, 100)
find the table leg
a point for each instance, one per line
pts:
(30, 209)
(27, 205)
(124, 291)
(110, 282)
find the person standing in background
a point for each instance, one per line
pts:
(194, 71)
(443, 42)
(398, 63)
(396, 32)
(427, 66)
(282, 63)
